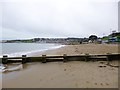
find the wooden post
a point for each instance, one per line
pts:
(86, 57)
(65, 58)
(108, 58)
(44, 59)
(4, 59)
(24, 60)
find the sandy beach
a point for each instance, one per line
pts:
(82, 49)
(74, 74)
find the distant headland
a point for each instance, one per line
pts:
(114, 37)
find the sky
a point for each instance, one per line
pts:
(24, 19)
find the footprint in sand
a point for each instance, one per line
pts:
(76, 50)
(87, 81)
(76, 84)
(95, 83)
(64, 69)
(101, 84)
(107, 84)
(72, 74)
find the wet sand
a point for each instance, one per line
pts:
(74, 74)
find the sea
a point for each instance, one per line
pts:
(19, 49)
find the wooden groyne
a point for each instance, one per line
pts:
(44, 58)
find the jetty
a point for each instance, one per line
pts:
(44, 58)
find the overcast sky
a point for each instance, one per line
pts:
(57, 18)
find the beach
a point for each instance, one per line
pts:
(73, 74)
(82, 49)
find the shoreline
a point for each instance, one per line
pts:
(77, 50)
(37, 53)
(73, 74)
(81, 49)
(32, 52)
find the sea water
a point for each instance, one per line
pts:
(19, 49)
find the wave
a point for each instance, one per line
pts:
(2, 68)
(29, 53)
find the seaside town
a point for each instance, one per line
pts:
(114, 37)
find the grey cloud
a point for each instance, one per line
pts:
(55, 18)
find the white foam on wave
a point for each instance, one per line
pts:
(19, 67)
(1, 68)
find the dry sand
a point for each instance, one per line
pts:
(83, 48)
(74, 74)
